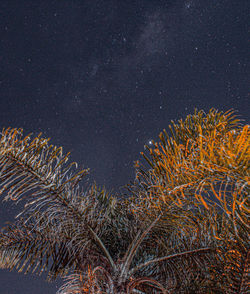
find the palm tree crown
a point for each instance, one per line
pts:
(183, 228)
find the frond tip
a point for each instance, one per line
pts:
(34, 168)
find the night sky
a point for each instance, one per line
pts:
(103, 77)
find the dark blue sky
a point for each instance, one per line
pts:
(102, 78)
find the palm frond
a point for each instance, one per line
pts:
(76, 283)
(33, 247)
(205, 163)
(37, 173)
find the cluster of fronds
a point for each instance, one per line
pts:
(184, 229)
(205, 163)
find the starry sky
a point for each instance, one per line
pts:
(103, 77)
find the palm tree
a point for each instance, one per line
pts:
(183, 229)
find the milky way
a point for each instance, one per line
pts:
(103, 78)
